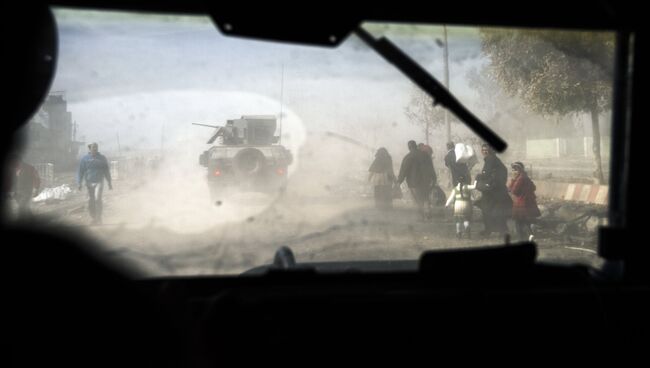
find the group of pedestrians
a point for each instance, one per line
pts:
(416, 169)
(500, 199)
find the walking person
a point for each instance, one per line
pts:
(94, 168)
(430, 173)
(461, 197)
(417, 170)
(457, 170)
(524, 206)
(495, 202)
(381, 176)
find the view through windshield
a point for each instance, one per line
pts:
(186, 152)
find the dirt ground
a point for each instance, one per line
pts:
(191, 235)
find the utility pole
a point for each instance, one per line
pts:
(281, 96)
(446, 55)
(162, 140)
(119, 148)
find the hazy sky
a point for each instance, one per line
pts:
(145, 78)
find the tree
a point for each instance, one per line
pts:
(501, 112)
(492, 101)
(555, 72)
(421, 112)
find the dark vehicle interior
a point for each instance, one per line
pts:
(65, 305)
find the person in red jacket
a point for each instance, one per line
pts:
(524, 205)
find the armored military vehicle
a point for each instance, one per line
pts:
(246, 155)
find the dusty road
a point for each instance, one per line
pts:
(166, 234)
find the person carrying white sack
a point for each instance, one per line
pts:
(461, 197)
(459, 159)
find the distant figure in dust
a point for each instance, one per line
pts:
(382, 177)
(153, 164)
(524, 206)
(138, 168)
(417, 170)
(461, 197)
(93, 168)
(25, 185)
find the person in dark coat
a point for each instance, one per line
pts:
(417, 170)
(524, 206)
(459, 170)
(433, 194)
(382, 177)
(495, 202)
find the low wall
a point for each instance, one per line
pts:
(587, 193)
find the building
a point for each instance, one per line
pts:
(51, 135)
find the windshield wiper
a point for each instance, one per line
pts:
(431, 86)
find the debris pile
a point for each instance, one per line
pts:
(59, 193)
(569, 221)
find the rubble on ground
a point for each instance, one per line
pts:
(570, 220)
(59, 193)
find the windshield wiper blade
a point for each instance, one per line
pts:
(431, 86)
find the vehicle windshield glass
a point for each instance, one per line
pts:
(329, 151)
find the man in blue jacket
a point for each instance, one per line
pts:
(94, 168)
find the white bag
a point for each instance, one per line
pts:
(465, 155)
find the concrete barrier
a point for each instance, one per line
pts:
(577, 192)
(565, 147)
(545, 148)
